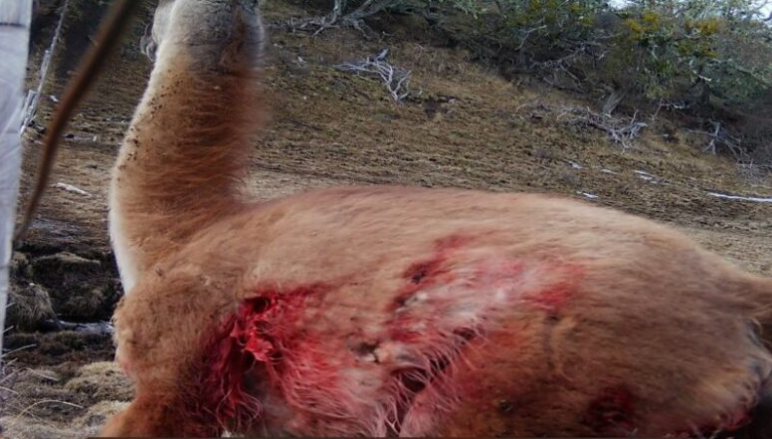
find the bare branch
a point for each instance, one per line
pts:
(33, 96)
(339, 17)
(620, 130)
(396, 80)
(720, 138)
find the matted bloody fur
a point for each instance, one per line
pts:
(392, 310)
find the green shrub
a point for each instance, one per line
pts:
(680, 51)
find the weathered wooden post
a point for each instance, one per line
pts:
(15, 17)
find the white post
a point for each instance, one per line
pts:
(15, 17)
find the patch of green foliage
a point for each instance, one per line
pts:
(693, 50)
(683, 52)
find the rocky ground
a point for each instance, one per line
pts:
(463, 126)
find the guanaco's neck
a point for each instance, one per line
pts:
(183, 160)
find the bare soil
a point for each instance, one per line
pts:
(467, 128)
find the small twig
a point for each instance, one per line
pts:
(41, 375)
(23, 348)
(47, 401)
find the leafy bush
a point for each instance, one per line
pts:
(691, 51)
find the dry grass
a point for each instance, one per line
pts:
(101, 381)
(7, 377)
(82, 402)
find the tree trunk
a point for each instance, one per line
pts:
(15, 16)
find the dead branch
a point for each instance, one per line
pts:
(621, 130)
(395, 79)
(33, 96)
(527, 34)
(338, 17)
(714, 137)
(721, 139)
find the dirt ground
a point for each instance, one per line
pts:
(464, 126)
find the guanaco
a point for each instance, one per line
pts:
(398, 311)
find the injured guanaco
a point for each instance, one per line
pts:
(397, 311)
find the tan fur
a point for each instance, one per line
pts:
(182, 159)
(652, 311)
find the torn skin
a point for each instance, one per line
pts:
(422, 342)
(422, 275)
(431, 344)
(248, 339)
(431, 271)
(221, 398)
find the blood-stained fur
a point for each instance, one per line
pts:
(392, 310)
